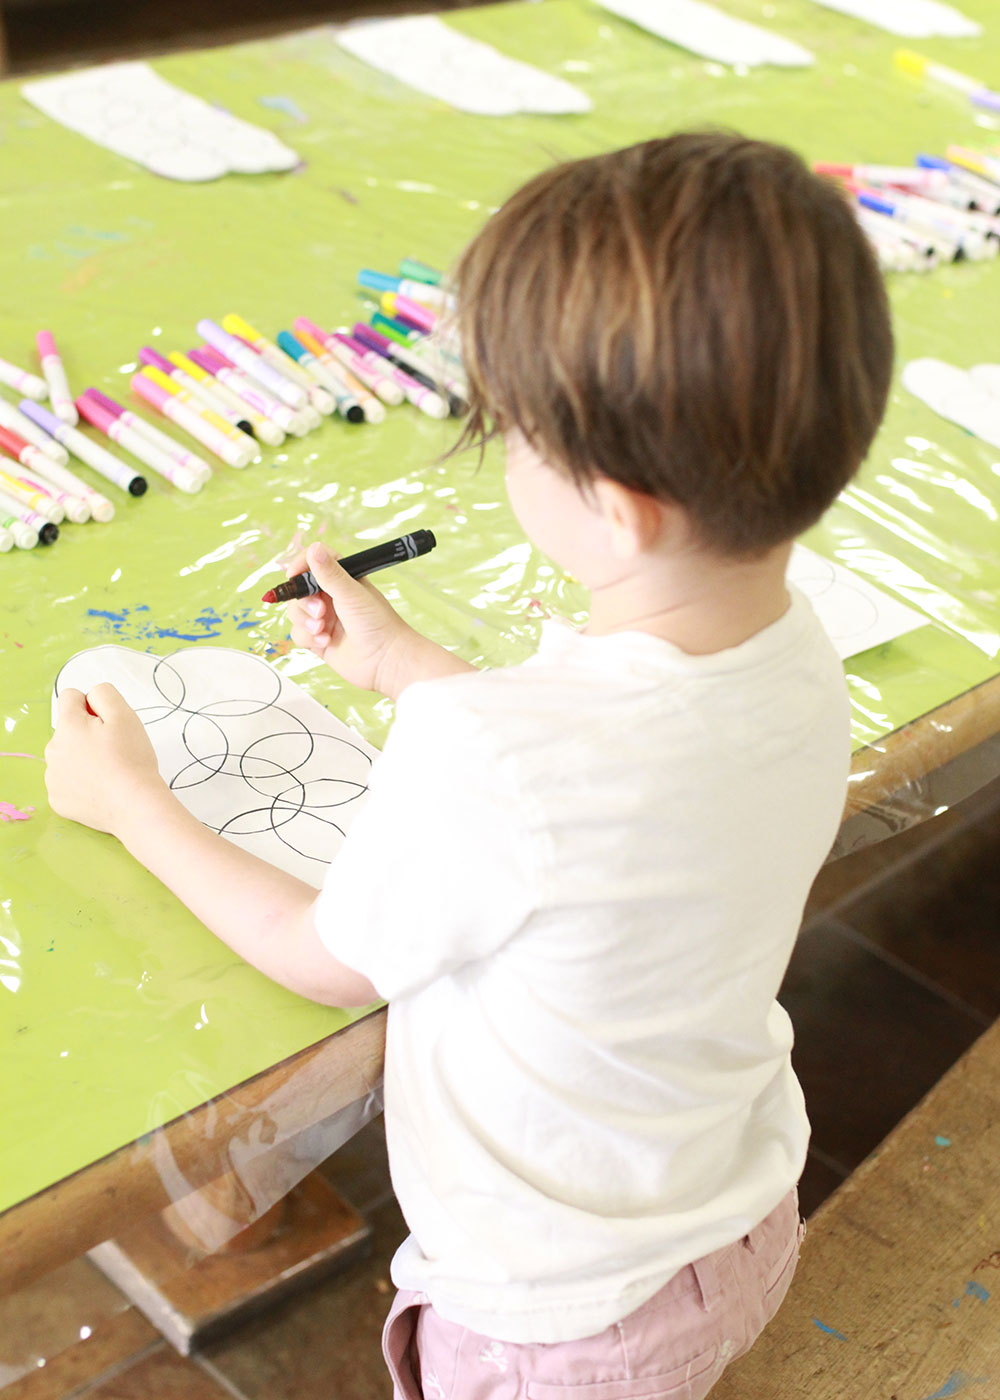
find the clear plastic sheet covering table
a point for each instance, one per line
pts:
(138, 1055)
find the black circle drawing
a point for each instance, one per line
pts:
(246, 754)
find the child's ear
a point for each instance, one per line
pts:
(635, 521)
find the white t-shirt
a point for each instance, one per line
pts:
(578, 882)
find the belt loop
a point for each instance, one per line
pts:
(707, 1275)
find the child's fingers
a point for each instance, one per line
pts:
(71, 708)
(108, 703)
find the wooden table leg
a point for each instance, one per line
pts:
(195, 1279)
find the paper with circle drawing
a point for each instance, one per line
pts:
(129, 108)
(855, 614)
(710, 32)
(246, 750)
(428, 55)
(957, 394)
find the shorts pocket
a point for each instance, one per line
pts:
(680, 1381)
(779, 1275)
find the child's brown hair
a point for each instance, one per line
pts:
(699, 318)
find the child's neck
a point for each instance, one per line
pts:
(698, 602)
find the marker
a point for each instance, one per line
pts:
(235, 448)
(139, 445)
(344, 401)
(39, 501)
(401, 307)
(334, 371)
(251, 393)
(105, 463)
(372, 369)
(291, 394)
(984, 195)
(913, 63)
(25, 453)
(75, 508)
(215, 392)
(187, 382)
(319, 398)
(60, 396)
(954, 242)
(180, 413)
(20, 423)
(190, 461)
(98, 506)
(420, 272)
(27, 526)
(435, 298)
(309, 413)
(396, 330)
(368, 561)
(23, 382)
(428, 400)
(988, 167)
(411, 364)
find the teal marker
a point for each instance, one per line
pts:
(420, 272)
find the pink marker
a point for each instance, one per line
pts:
(370, 368)
(31, 499)
(207, 358)
(55, 377)
(427, 400)
(187, 418)
(175, 450)
(139, 445)
(25, 383)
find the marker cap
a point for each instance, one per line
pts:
(377, 281)
(149, 356)
(46, 344)
(95, 413)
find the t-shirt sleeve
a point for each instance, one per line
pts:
(438, 868)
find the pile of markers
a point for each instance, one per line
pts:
(941, 209)
(232, 392)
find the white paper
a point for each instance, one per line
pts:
(428, 55)
(710, 32)
(916, 19)
(855, 614)
(247, 751)
(956, 395)
(129, 108)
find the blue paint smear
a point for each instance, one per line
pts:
(830, 1331)
(976, 1290)
(286, 105)
(956, 1382)
(137, 624)
(942, 1141)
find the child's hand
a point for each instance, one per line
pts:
(350, 624)
(98, 763)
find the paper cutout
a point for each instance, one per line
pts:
(709, 32)
(956, 395)
(428, 55)
(854, 613)
(129, 108)
(916, 19)
(249, 753)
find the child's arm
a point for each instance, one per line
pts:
(360, 635)
(102, 772)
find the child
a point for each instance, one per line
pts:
(578, 881)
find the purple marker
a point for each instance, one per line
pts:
(109, 466)
(254, 365)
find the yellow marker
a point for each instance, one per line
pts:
(214, 392)
(919, 67)
(183, 396)
(986, 166)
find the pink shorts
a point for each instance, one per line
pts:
(677, 1344)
